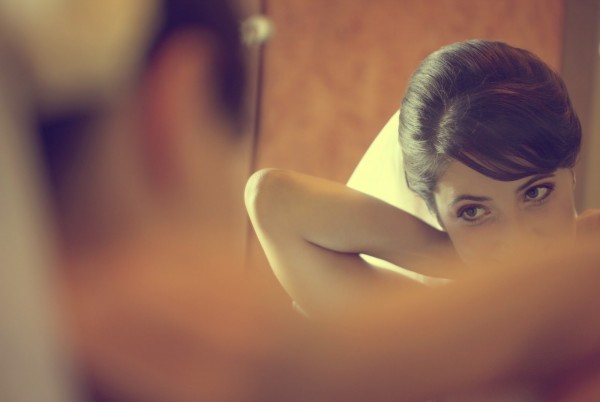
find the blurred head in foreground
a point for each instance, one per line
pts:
(154, 142)
(139, 109)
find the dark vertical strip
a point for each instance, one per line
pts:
(255, 131)
(579, 58)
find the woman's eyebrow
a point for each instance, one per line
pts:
(532, 180)
(468, 197)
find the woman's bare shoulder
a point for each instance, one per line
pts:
(588, 223)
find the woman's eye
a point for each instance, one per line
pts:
(538, 193)
(471, 213)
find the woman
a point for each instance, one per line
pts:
(489, 140)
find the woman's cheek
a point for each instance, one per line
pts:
(471, 245)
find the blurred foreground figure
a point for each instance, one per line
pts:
(139, 105)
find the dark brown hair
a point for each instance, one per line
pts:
(217, 18)
(63, 136)
(498, 109)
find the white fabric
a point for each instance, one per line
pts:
(380, 173)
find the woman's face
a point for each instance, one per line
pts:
(491, 220)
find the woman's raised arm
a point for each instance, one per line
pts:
(313, 230)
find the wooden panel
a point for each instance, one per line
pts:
(336, 70)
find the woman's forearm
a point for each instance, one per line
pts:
(312, 231)
(335, 217)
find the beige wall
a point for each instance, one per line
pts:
(591, 190)
(581, 72)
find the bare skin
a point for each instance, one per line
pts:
(313, 230)
(488, 219)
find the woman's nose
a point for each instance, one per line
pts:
(521, 239)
